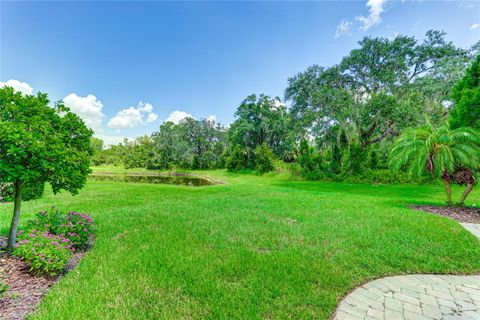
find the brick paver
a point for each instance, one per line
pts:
(416, 297)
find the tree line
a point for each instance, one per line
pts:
(342, 119)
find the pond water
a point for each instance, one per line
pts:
(179, 179)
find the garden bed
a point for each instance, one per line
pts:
(461, 214)
(51, 245)
(25, 290)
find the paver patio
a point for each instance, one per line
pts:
(415, 297)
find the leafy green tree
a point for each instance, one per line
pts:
(438, 152)
(375, 92)
(40, 144)
(191, 144)
(466, 97)
(206, 142)
(168, 147)
(98, 157)
(97, 144)
(264, 158)
(259, 120)
(138, 152)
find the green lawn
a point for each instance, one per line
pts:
(252, 248)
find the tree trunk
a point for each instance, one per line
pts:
(448, 190)
(466, 193)
(12, 236)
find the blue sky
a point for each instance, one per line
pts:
(127, 66)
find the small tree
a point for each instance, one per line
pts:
(40, 144)
(440, 152)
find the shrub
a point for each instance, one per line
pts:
(45, 252)
(236, 160)
(47, 221)
(289, 168)
(78, 228)
(382, 176)
(310, 161)
(264, 158)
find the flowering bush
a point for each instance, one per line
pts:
(45, 252)
(78, 228)
(47, 220)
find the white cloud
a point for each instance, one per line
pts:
(89, 108)
(126, 118)
(343, 28)
(132, 117)
(19, 86)
(145, 107)
(475, 26)
(212, 118)
(177, 116)
(375, 8)
(152, 117)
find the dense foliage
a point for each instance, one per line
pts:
(264, 158)
(466, 95)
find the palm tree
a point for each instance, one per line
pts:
(440, 152)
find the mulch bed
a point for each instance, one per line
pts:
(25, 290)
(461, 214)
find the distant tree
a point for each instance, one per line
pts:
(206, 142)
(259, 120)
(97, 144)
(98, 157)
(439, 152)
(38, 144)
(168, 148)
(466, 98)
(191, 144)
(376, 91)
(138, 152)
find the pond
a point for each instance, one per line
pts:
(174, 178)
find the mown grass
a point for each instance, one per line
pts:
(252, 248)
